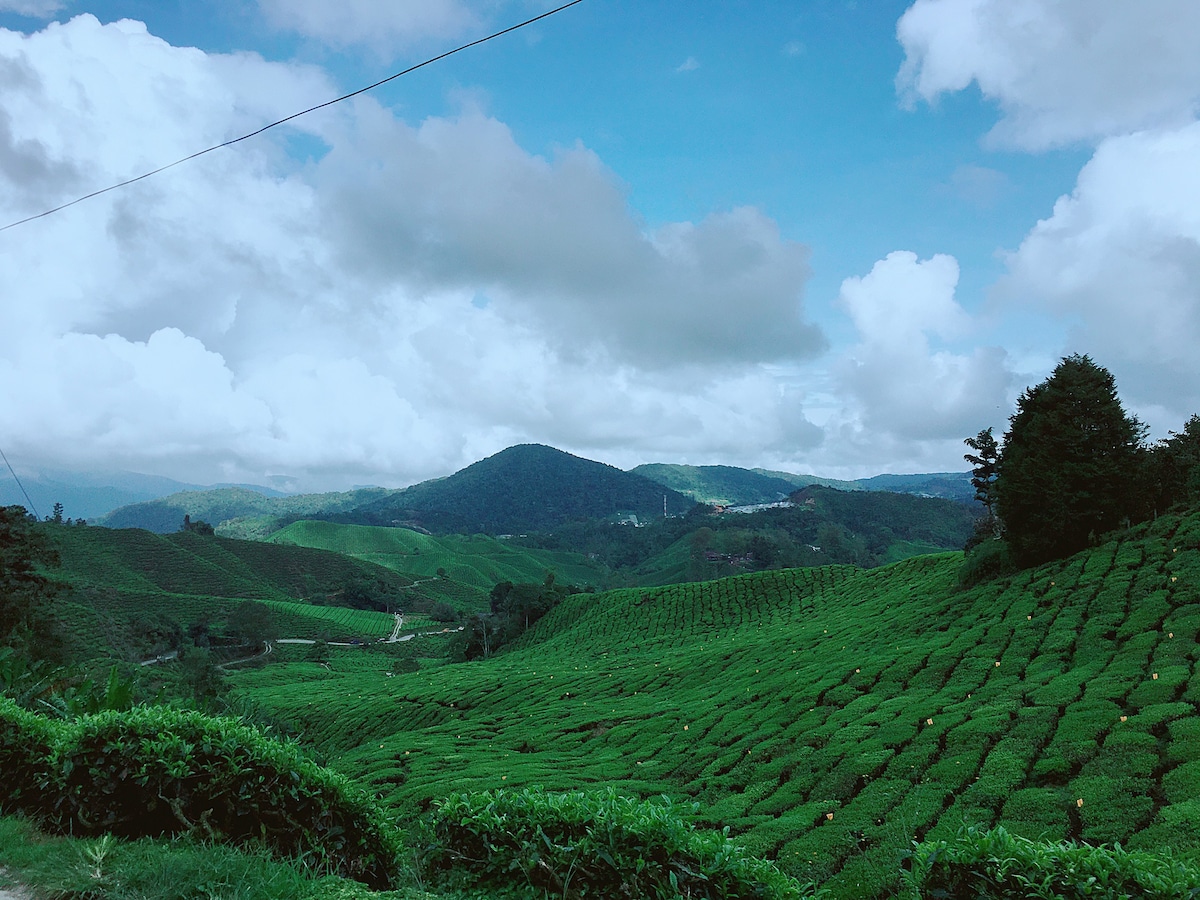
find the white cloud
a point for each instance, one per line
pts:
(36, 9)
(248, 314)
(383, 26)
(1120, 259)
(691, 64)
(904, 386)
(1061, 70)
(457, 203)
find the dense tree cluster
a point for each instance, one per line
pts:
(1074, 465)
(25, 589)
(514, 608)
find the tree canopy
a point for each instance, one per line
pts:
(1070, 467)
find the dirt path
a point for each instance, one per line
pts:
(13, 891)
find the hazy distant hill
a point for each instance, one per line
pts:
(84, 496)
(732, 486)
(165, 515)
(950, 485)
(529, 487)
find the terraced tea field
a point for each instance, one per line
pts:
(477, 562)
(125, 579)
(828, 716)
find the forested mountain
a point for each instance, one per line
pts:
(529, 487)
(731, 486)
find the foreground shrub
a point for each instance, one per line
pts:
(995, 865)
(26, 742)
(157, 869)
(580, 844)
(156, 771)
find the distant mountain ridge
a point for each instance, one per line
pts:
(528, 487)
(731, 486)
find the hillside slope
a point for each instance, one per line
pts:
(130, 588)
(165, 515)
(829, 716)
(729, 485)
(529, 487)
(477, 561)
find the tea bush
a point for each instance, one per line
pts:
(579, 844)
(995, 865)
(155, 771)
(26, 742)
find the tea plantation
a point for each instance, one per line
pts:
(477, 562)
(124, 582)
(828, 716)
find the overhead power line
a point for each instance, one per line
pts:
(304, 112)
(18, 481)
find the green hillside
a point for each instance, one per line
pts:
(828, 716)
(729, 485)
(165, 515)
(130, 589)
(476, 561)
(529, 487)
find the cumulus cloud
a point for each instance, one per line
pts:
(413, 298)
(904, 385)
(1120, 258)
(459, 203)
(382, 26)
(1061, 70)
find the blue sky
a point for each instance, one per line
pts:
(796, 235)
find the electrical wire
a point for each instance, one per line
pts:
(18, 481)
(297, 115)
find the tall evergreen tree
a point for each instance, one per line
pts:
(1071, 463)
(1175, 466)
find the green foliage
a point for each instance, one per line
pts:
(26, 743)
(161, 771)
(1070, 467)
(25, 591)
(985, 466)
(443, 612)
(1175, 466)
(590, 844)
(992, 864)
(149, 869)
(866, 528)
(729, 485)
(986, 560)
